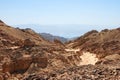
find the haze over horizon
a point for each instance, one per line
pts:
(66, 30)
(67, 18)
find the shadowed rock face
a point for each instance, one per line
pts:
(20, 65)
(1, 21)
(28, 43)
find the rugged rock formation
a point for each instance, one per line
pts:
(86, 72)
(10, 35)
(25, 55)
(102, 43)
(19, 65)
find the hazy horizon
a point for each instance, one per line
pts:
(64, 30)
(100, 14)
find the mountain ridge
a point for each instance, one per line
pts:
(51, 37)
(99, 42)
(64, 30)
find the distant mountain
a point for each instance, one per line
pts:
(73, 38)
(64, 30)
(51, 37)
(46, 31)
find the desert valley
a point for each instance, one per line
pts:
(26, 55)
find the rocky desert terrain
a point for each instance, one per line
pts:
(25, 55)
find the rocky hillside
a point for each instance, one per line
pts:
(86, 72)
(16, 34)
(102, 43)
(25, 55)
(23, 52)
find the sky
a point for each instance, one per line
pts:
(62, 12)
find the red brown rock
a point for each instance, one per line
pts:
(20, 65)
(28, 43)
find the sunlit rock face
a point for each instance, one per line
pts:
(88, 58)
(72, 50)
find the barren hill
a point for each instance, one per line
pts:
(15, 34)
(25, 55)
(103, 43)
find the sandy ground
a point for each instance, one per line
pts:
(86, 58)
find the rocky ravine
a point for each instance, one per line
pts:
(25, 55)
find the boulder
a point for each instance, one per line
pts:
(41, 61)
(22, 64)
(19, 65)
(28, 43)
